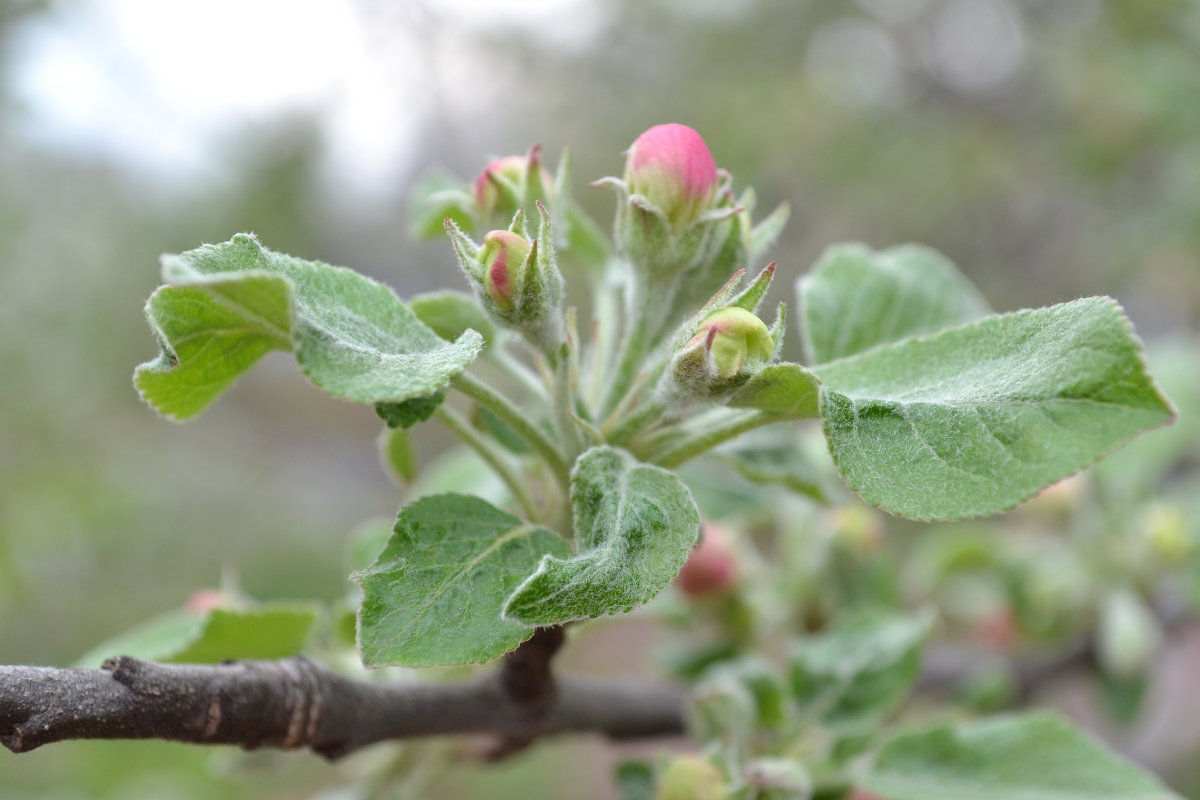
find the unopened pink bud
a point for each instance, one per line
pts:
(712, 567)
(204, 600)
(671, 166)
(734, 336)
(484, 188)
(502, 256)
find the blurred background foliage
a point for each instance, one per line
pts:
(1051, 148)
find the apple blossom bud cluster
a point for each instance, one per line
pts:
(516, 277)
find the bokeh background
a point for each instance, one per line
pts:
(1049, 147)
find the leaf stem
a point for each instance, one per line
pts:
(702, 443)
(634, 423)
(491, 454)
(504, 408)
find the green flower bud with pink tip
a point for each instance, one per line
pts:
(485, 190)
(671, 166)
(733, 336)
(503, 257)
(511, 182)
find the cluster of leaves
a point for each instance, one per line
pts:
(931, 407)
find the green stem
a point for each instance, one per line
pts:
(702, 443)
(564, 404)
(492, 456)
(633, 424)
(503, 408)
(646, 308)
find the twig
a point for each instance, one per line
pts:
(294, 703)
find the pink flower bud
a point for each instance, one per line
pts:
(502, 256)
(734, 336)
(205, 600)
(712, 567)
(484, 188)
(671, 166)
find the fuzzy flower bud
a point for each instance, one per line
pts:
(502, 256)
(712, 567)
(511, 182)
(671, 166)
(691, 778)
(732, 336)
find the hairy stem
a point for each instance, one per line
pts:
(701, 443)
(634, 423)
(504, 408)
(492, 456)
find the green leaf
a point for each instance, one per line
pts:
(273, 630)
(1036, 756)
(450, 314)
(435, 196)
(227, 305)
(856, 298)
(788, 390)
(397, 455)
(410, 412)
(857, 673)
(634, 526)
(433, 596)
(976, 419)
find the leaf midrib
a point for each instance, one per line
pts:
(508, 536)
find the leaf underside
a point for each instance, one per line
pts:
(434, 595)
(227, 305)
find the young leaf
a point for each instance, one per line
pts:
(634, 525)
(976, 419)
(227, 305)
(856, 298)
(274, 630)
(433, 596)
(858, 672)
(1033, 755)
(397, 455)
(407, 413)
(788, 390)
(450, 314)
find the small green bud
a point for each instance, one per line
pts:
(730, 338)
(691, 778)
(503, 258)
(1129, 637)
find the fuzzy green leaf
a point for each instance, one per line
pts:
(407, 413)
(856, 298)
(434, 595)
(859, 671)
(788, 390)
(634, 524)
(227, 305)
(1035, 756)
(273, 630)
(976, 419)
